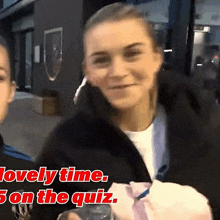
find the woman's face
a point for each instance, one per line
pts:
(121, 62)
(7, 88)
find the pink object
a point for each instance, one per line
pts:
(166, 201)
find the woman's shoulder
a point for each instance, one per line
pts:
(171, 83)
(12, 158)
(16, 154)
(175, 88)
(74, 124)
(70, 134)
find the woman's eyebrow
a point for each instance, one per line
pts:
(98, 53)
(133, 45)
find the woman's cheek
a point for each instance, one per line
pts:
(97, 78)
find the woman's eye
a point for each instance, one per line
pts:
(2, 78)
(131, 55)
(101, 61)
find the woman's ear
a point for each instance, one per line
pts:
(86, 72)
(12, 91)
(83, 68)
(158, 58)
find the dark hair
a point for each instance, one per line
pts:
(119, 11)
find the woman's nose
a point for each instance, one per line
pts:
(117, 68)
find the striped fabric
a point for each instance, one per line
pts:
(10, 151)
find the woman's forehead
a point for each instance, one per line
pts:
(110, 34)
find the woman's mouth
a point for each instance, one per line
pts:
(121, 86)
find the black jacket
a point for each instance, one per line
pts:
(12, 159)
(89, 141)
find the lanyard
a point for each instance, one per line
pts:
(159, 176)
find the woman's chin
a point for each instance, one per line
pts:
(123, 104)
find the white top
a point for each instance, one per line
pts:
(151, 143)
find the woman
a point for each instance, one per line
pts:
(131, 121)
(10, 158)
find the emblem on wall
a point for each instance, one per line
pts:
(53, 40)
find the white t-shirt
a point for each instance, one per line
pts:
(151, 143)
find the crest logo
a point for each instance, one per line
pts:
(53, 40)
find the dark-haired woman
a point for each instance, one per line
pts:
(10, 158)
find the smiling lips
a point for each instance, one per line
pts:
(121, 86)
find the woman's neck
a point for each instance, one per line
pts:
(137, 118)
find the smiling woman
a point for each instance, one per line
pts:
(123, 68)
(135, 122)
